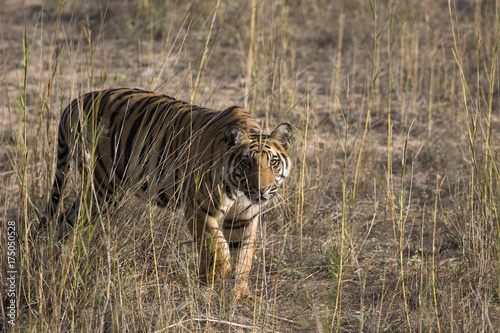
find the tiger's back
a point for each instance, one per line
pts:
(139, 134)
(218, 164)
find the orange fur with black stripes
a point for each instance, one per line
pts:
(218, 165)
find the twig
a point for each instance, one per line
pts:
(284, 319)
(216, 320)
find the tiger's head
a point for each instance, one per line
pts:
(257, 163)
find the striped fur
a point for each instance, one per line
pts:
(217, 164)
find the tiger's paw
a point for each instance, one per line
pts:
(243, 293)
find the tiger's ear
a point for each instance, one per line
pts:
(282, 133)
(233, 135)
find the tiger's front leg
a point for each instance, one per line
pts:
(213, 249)
(244, 256)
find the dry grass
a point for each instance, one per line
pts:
(390, 218)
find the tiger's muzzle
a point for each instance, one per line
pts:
(264, 193)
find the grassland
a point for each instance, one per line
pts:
(389, 221)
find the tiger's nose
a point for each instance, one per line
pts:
(264, 189)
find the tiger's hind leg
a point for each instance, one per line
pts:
(60, 179)
(89, 204)
(94, 196)
(66, 150)
(66, 220)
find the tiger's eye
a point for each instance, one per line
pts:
(246, 162)
(275, 162)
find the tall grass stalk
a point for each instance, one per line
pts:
(439, 183)
(399, 218)
(23, 181)
(24, 174)
(345, 214)
(205, 56)
(470, 123)
(335, 84)
(251, 51)
(302, 174)
(492, 165)
(482, 193)
(391, 42)
(375, 71)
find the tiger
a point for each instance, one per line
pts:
(217, 164)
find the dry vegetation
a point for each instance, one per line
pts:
(388, 223)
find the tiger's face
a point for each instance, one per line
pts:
(257, 163)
